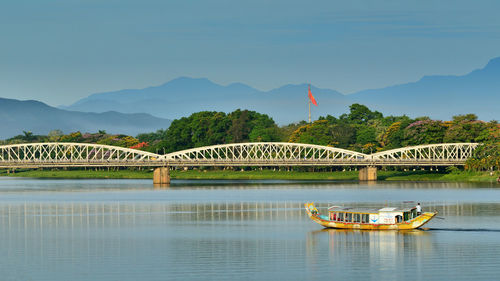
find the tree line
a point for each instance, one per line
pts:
(361, 129)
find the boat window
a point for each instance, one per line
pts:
(414, 213)
(335, 216)
(341, 217)
(406, 216)
(399, 219)
(365, 218)
(348, 217)
(356, 218)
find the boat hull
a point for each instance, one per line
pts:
(414, 223)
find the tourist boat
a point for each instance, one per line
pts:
(387, 218)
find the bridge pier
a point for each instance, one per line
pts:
(161, 175)
(368, 173)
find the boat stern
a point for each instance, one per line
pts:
(423, 219)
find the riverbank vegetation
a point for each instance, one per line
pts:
(257, 174)
(361, 129)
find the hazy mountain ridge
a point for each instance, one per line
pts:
(437, 96)
(183, 96)
(441, 96)
(40, 118)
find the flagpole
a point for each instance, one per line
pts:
(309, 98)
(309, 110)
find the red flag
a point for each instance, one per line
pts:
(313, 100)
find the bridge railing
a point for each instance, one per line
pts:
(441, 152)
(71, 153)
(239, 154)
(261, 151)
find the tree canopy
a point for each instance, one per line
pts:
(361, 130)
(211, 128)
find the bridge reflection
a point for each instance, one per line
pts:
(15, 216)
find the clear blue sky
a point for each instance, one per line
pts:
(60, 51)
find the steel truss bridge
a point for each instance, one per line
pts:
(38, 155)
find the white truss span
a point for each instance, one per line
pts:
(443, 153)
(239, 154)
(265, 154)
(72, 154)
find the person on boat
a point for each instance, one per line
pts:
(419, 209)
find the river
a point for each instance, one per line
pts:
(239, 230)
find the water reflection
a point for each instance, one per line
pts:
(137, 240)
(116, 214)
(126, 230)
(123, 214)
(158, 186)
(369, 249)
(15, 184)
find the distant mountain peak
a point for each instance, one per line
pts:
(40, 118)
(493, 64)
(185, 80)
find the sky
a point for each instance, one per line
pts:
(60, 51)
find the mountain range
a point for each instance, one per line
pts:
(133, 111)
(39, 118)
(438, 97)
(183, 96)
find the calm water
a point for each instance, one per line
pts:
(232, 230)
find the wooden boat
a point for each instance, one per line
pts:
(387, 218)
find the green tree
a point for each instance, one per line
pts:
(322, 133)
(365, 135)
(319, 132)
(361, 114)
(464, 128)
(72, 137)
(178, 136)
(239, 130)
(28, 136)
(394, 135)
(209, 128)
(263, 129)
(55, 135)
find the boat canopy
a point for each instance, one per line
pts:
(367, 210)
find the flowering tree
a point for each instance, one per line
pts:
(424, 132)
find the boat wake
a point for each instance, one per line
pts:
(463, 229)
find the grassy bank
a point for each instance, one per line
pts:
(258, 175)
(461, 176)
(80, 174)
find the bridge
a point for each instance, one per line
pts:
(39, 155)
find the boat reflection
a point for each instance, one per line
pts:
(386, 249)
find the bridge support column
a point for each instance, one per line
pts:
(161, 175)
(368, 174)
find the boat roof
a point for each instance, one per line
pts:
(368, 210)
